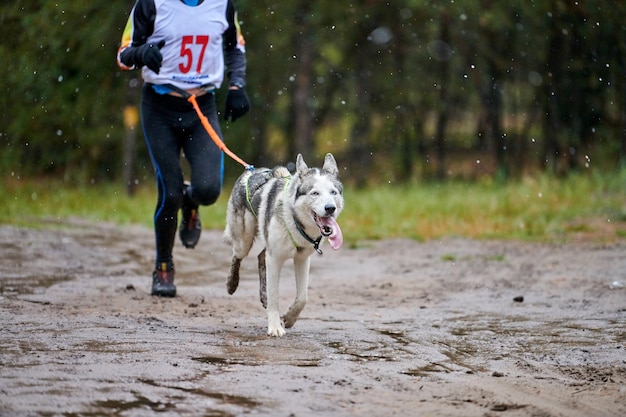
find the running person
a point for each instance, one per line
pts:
(187, 44)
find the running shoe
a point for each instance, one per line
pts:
(190, 225)
(163, 282)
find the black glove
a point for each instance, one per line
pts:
(237, 104)
(151, 56)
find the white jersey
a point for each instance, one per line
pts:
(192, 54)
(196, 40)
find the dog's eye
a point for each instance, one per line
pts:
(315, 193)
(334, 192)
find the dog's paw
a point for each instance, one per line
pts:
(290, 317)
(276, 331)
(232, 284)
(289, 320)
(274, 325)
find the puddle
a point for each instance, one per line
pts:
(230, 399)
(219, 361)
(115, 407)
(225, 362)
(364, 351)
(397, 335)
(428, 370)
(141, 402)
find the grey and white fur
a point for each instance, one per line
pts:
(290, 215)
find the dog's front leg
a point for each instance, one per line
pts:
(274, 265)
(301, 266)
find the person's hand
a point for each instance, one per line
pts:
(151, 56)
(237, 104)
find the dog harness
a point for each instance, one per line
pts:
(258, 179)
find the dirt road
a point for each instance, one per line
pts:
(445, 328)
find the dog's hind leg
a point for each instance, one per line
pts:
(233, 276)
(301, 265)
(274, 324)
(240, 233)
(262, 279)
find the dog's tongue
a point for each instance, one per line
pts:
(336, 237)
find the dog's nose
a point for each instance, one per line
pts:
(330, 208)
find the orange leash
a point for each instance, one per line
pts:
(219, 142)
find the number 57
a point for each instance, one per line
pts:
(186, 52)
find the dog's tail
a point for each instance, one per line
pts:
(281, 172)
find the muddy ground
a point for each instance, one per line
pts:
(392, 328)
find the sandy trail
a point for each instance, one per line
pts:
(391, 328)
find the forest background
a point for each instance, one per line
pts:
(399, 91)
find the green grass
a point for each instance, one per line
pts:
(541, 208)
(27, 201)
(531, 209)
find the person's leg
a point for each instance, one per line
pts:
(162, 142)
(207, 166)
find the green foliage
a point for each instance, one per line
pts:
(524, 86)
(63, 95)
(539, 208)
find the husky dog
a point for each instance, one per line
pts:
(291, 214)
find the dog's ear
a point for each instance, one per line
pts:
(330, 164)
(301, 166)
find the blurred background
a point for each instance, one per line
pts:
(399, 91)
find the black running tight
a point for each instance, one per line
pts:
(170, 126)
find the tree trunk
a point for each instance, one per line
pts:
(622, 92)
(131, 123)
(303, 117)
(444, 105)
(494, 117)
(359, 159)
(551, 125)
